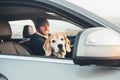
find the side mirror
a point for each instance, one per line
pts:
(97, 46)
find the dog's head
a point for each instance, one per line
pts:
(58, 44)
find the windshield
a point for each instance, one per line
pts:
(107, 9)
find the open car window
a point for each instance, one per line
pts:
(56, 26)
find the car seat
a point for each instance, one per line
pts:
(7, 46)
(27, 32)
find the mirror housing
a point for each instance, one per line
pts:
(97, 46)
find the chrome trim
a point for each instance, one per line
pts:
(31, 58)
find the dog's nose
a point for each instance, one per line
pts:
(60, 46)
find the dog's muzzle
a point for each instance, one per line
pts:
(60, 46)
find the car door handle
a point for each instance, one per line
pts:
(2, 77)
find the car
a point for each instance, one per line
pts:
(94, 42)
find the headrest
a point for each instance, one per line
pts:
(27, 31)
(5, 30)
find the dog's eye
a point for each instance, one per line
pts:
(53, 41)
(62, 39)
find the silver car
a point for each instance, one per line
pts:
(95, 43)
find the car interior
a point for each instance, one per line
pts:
(18, 46)
(7, 45)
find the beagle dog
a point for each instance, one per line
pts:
(57, 44)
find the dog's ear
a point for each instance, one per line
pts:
(47, 48)
(67, 44)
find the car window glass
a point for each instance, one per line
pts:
(55, 26)
(17, 27)
(64, 27)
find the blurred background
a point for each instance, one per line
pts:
(108, 9)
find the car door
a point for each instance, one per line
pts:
(16, 67)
